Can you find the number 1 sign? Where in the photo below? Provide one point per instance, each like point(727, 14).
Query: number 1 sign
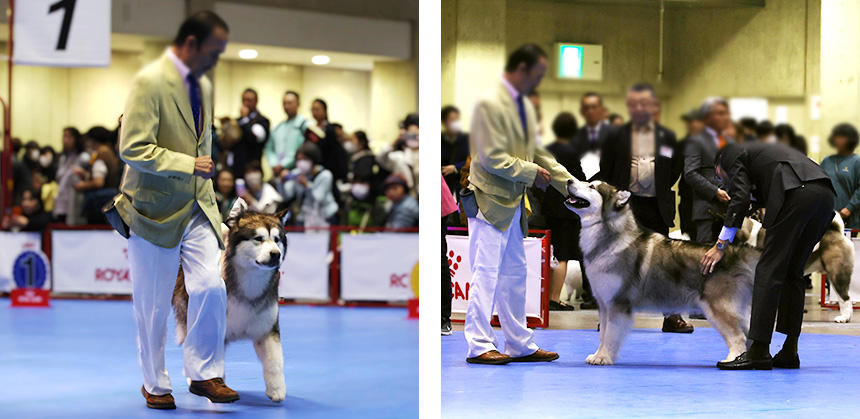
point(30, 271)
point(62, 33)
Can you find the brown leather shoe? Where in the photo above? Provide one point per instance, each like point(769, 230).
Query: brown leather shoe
point(158, 402)
point(539, 356)
point(676, 324)
point(490, 357)
point(215, 390)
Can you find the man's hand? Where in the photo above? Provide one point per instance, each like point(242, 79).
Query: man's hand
point(542, 179)
point(845, 213)
point(449, 170)
point(204, 167)
point(712, 256)
point(244, 111)
point(723, 196)
point(303, 180)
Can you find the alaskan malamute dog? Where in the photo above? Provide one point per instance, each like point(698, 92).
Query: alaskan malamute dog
point(632, 269)
point(256, 244)
point(833, 256)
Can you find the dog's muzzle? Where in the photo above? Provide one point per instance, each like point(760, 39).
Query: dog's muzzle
point(574, 201)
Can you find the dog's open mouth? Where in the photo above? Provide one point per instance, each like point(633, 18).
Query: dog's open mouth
point(574, 201)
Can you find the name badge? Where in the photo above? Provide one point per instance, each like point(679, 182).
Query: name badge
point(666, 151)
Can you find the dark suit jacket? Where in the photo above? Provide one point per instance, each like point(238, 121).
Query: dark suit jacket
point(699, 153)
point(455, 153)
point(616, 156)
point(553, 201)
point(334, 156)
point(248, 148)
point(584, 144)
point(767, 171)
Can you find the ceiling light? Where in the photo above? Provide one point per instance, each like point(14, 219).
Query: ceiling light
point(320, 59)
point(248, 54)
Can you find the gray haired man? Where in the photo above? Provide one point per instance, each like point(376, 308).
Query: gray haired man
point(709, 198)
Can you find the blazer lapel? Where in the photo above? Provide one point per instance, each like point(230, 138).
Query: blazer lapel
point(179, 94)
point(511, 107)
point(205, 95)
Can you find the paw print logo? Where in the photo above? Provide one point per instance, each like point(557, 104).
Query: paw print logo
point(454, 262)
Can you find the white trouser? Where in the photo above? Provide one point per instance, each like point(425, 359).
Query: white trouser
point(498, 262)
point(153, 272)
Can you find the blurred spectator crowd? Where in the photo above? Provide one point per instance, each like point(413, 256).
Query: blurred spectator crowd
point(322, 173)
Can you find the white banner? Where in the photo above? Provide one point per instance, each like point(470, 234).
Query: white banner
point(305, 271)
point(62, 33)
point(854, 290)
point(461, 274)
point(90, 261)
point(378, 266)
point(11, 245)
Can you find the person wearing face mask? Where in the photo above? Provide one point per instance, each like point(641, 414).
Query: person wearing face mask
point(401, 158)
point(261, 197)
point(48, 163)
point(312, 185)
point(363, 188)
point(32, 152)
point(455, 147)
point(403, 209)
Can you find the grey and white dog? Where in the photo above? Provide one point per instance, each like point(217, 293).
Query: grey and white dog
point(256, 245)
point(635, 270)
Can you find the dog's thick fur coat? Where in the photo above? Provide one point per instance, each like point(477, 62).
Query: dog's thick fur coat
point(255, 247)
point(633, 269)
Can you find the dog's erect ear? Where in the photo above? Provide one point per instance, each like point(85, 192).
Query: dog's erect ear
point(621, 199)
point(284, 216)
point(239, 207)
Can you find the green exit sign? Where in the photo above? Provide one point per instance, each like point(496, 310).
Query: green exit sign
point(579, 61)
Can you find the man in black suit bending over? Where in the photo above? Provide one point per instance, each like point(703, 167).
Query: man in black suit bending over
point(798, 199)
point(641, 156)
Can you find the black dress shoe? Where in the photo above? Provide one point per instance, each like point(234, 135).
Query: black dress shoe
point(589, 304)
point(785, 361)
point(743, 362)
point(554, 306)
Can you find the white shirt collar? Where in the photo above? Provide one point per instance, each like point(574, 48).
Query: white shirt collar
point(712, 133)
point(180, 66)
point(511, 89)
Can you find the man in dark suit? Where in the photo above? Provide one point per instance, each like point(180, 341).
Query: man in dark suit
point(255, 131)
point(640, 156)
point(709, 198)
point(593, 134)
point(694, 125)
point(798, 198)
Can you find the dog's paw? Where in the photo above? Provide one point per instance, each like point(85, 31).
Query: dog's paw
point(842, 319)
point(598, 359)
point(277, 392)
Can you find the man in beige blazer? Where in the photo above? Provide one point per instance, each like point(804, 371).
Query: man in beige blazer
point(168, 202)
point(506, 159)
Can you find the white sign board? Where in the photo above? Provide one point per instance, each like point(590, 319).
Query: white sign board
point(90, 262)
point(11, 245)
point(305, 270)
point(461, 274)
point(62, 33)
point(754, 107)
point(377, 266)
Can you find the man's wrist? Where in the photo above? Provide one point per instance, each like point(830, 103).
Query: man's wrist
point(721, 245)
